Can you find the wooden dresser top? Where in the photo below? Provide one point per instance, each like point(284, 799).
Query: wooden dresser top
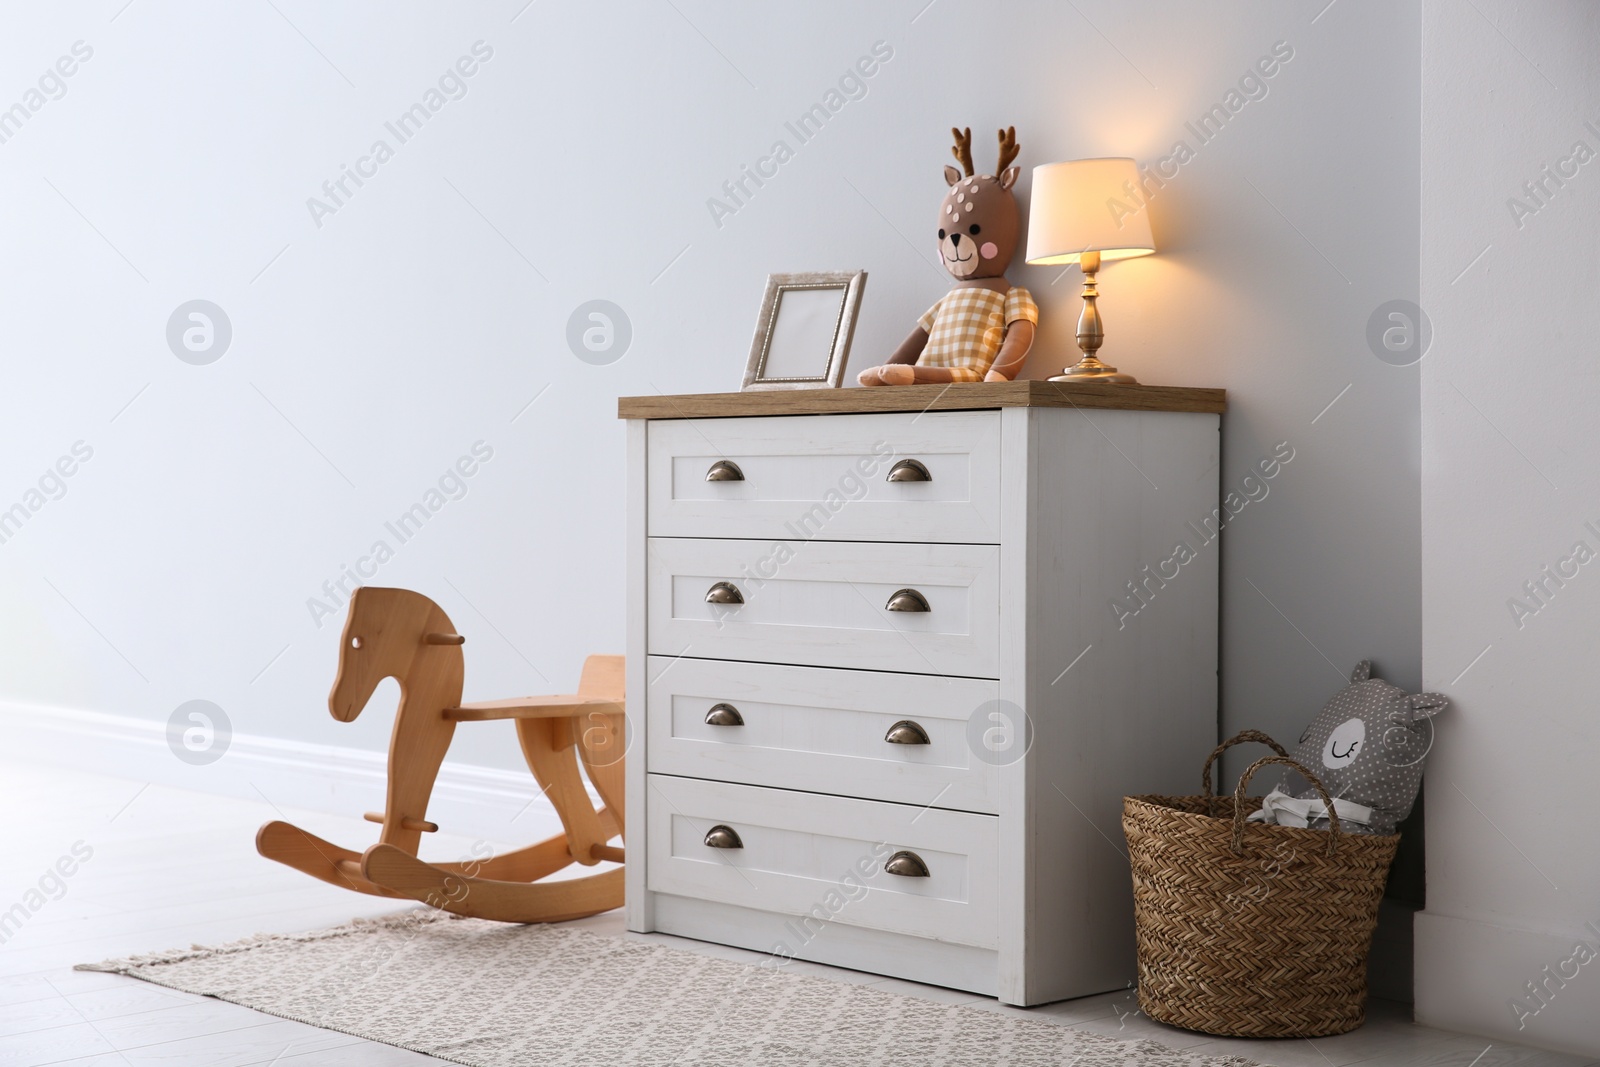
point(963, 396)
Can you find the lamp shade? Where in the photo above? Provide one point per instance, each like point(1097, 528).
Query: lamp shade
point(1085, 205)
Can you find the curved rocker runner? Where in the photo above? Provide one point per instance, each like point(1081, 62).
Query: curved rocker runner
point(396, 633)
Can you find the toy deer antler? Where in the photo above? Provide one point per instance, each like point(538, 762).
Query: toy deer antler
point(962, 149)
point(1008, 150)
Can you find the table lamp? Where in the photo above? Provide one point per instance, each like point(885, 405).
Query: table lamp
point(1083, 211)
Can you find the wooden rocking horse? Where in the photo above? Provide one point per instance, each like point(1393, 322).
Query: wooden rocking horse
point(395, 633)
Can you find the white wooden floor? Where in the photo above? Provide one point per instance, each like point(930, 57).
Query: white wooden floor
point(170, 868)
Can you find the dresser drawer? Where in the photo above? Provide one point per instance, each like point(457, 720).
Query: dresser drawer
point(828, 478)
point(820, 730)
point(807, 854)
point(826, 604)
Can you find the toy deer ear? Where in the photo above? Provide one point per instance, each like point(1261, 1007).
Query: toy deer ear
point(1008, 178)
point(1362, 672)
point(951, 175)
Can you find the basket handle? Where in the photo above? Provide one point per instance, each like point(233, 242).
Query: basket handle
point(1238, 738)
point(1334, 831)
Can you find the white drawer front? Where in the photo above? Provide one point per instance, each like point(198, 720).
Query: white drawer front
point(821, 730)
point(824, 604)
point(808, 854)
point(827, 477)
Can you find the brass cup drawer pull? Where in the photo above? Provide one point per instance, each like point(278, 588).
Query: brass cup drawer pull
point(724, 470)
point(724, 715)
point(906, 865)
point(906, 732)
point(908, 470)
point(728, 593)
point(720, 836)
point(907, 600)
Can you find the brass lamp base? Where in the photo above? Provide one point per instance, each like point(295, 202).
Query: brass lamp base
point(1091, 335)
point(1090, 369)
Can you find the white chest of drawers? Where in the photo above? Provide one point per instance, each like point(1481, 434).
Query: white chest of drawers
point(894, 658)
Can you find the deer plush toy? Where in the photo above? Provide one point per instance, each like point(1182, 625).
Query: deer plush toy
point(982, 328)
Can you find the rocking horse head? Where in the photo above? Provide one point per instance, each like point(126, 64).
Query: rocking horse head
point(394, 633)
point(979, 221)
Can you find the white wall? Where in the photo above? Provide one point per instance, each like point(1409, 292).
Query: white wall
point(368, 354)
point(1509, 395)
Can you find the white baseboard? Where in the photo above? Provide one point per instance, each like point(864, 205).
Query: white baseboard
point(1471, 974)
point(481, 802)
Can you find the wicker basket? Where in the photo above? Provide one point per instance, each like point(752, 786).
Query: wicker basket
point(1246, 929)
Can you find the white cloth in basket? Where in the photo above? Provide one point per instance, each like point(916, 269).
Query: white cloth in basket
point(1280, 809)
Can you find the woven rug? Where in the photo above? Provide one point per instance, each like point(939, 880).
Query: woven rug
point(492, 995)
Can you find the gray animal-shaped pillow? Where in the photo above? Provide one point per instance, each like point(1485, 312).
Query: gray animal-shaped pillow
point(1368, 745)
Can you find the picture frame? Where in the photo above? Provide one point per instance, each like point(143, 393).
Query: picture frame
point(803, 335)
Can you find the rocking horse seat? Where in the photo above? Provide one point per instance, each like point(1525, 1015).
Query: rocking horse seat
point(562, 706)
